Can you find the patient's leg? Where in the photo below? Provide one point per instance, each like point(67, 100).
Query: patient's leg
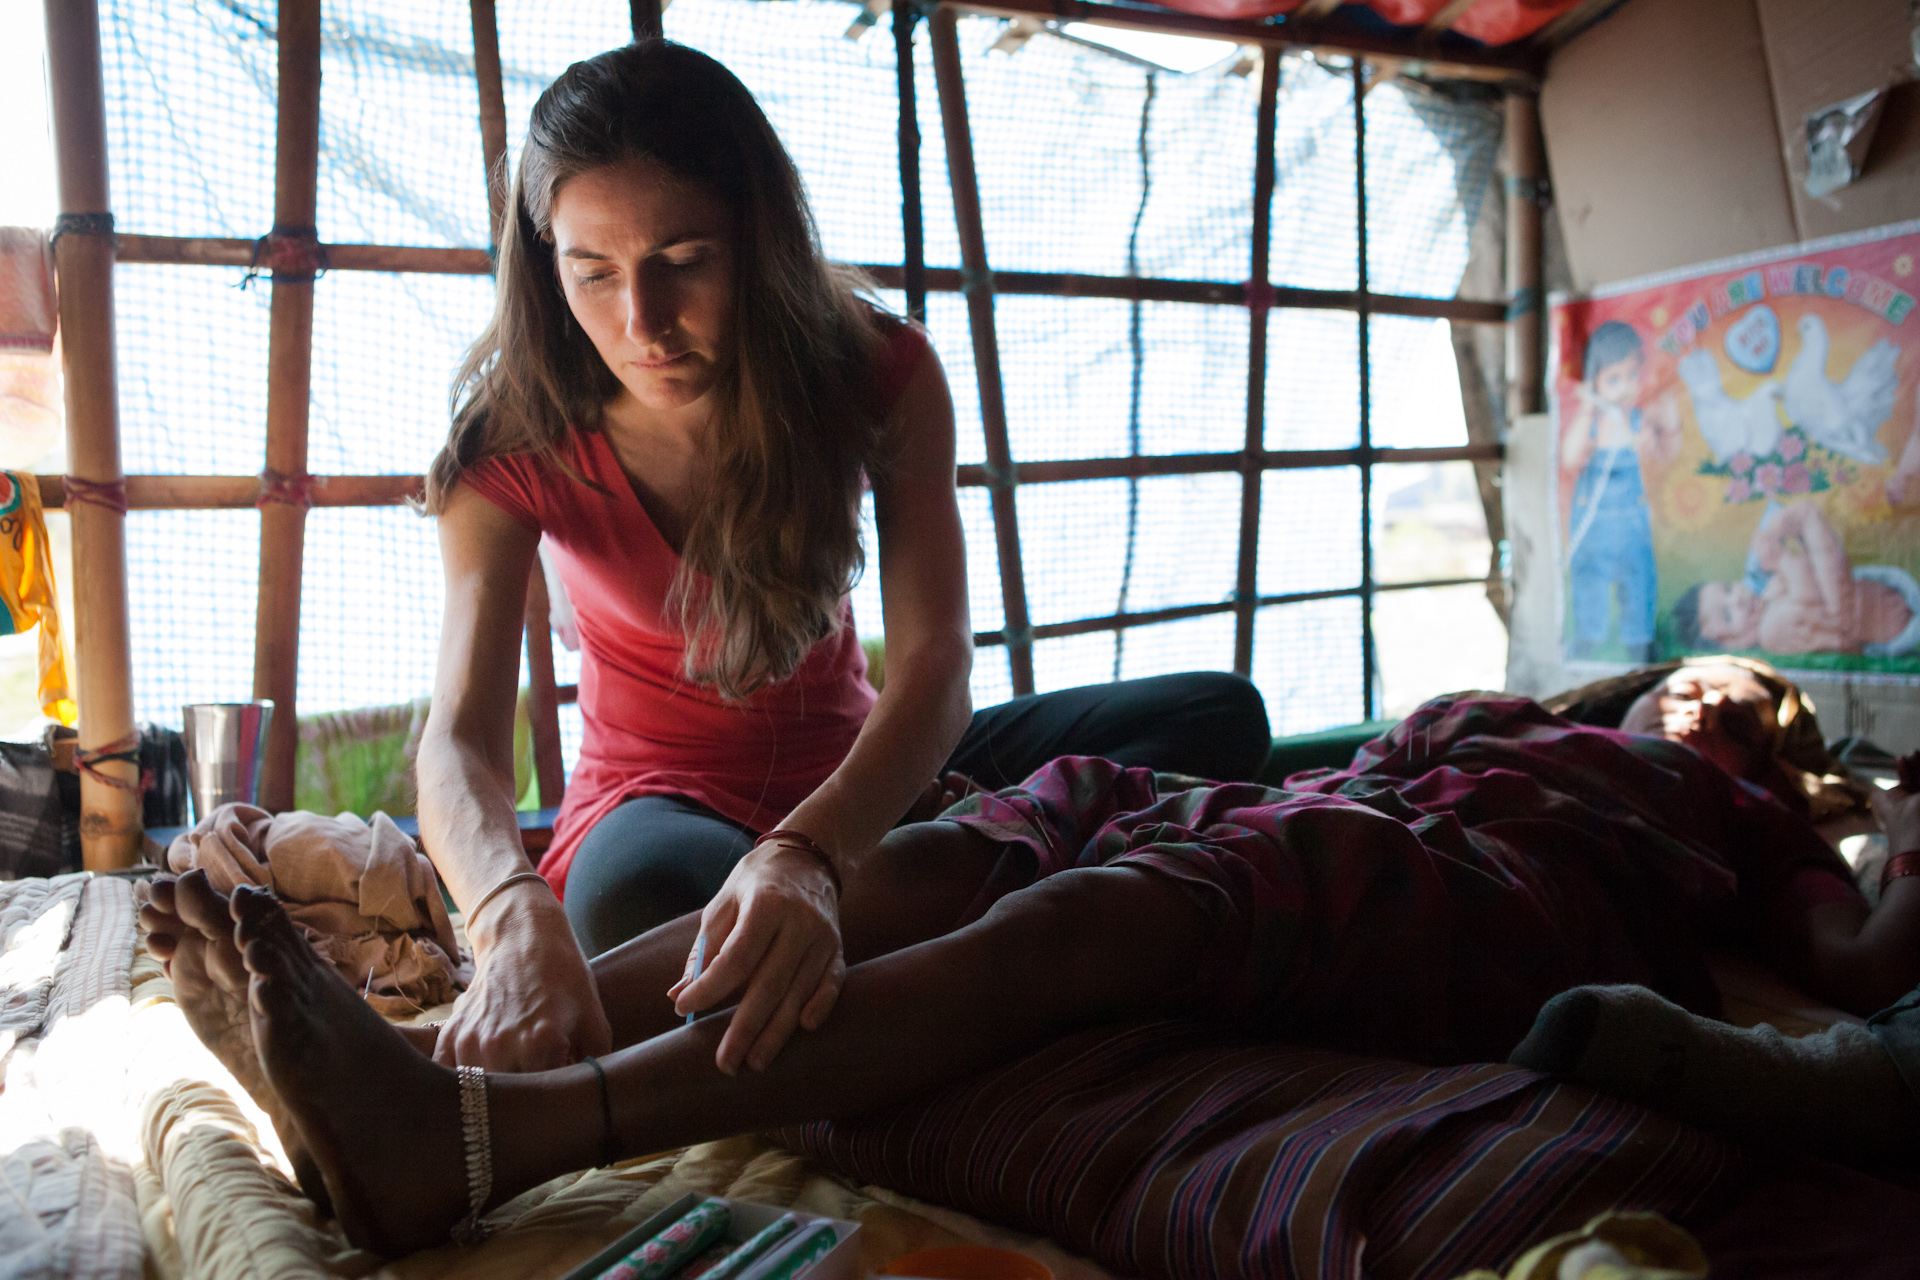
point(383, 1121)
point(1838, 1093)
point(915, 886)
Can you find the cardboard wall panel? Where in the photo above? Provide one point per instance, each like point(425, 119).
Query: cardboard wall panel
point(1662, 140)
point(1820, 52)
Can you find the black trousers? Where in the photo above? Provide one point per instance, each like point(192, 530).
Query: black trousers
point(656, 858)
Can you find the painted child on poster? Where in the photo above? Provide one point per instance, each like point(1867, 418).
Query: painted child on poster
point(1738, 460)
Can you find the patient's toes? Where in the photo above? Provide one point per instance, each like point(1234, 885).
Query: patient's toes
point(271, 944)
point(196, 901)
point(156, 893)
point(225, 965)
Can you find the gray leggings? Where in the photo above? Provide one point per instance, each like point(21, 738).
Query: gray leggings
point(656, 858)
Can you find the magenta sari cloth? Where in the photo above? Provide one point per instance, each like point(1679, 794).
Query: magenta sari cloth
point(1426, 900)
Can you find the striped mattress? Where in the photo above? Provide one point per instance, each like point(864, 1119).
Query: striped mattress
point(1178, 1151)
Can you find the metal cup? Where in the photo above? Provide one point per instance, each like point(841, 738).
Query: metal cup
point(226, 742)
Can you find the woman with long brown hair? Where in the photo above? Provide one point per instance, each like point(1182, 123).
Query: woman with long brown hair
point(686, 402)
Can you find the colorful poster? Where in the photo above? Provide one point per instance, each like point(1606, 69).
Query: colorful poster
point(1738, 461)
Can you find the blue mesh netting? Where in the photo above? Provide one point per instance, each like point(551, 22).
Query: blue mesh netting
point(1306, 664)
point(1057, 130)
point(1429, 155)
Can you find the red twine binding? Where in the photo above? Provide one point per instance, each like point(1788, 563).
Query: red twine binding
point(293, 254)
point(111, 494)
point(125, 751)
point(290, 490)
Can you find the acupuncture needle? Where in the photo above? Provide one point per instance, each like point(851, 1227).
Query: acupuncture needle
point(699, 963)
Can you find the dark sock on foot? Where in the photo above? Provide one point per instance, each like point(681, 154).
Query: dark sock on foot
point(1835, 1093)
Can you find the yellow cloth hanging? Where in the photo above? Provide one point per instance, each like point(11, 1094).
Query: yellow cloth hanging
point(26, 585)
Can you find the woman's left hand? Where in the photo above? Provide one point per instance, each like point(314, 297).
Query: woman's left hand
point(1899, 808)
point(772, 938)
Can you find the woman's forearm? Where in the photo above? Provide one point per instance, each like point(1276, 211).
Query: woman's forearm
point(909, 735)
point(467, 821)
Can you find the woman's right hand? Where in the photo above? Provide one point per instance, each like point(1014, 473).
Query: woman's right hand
point(533, 1005)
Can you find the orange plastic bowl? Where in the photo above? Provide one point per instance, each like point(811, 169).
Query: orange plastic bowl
point(969, 1262)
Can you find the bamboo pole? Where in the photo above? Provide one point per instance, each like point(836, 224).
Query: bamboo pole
point(913, 257)
point(1526, 173)
point(1246, 585)
point(493, 109)
point(986, 346)
point(646, 18)
point(543, 700)
point(210, 251)
point(276, 654)
point(1177, 613)
point(1059, 284)
point(110, 821)
point(235, 493)
point(1369, 662)
point(570, 693)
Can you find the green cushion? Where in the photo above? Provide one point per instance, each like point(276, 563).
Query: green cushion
point(1328, 749)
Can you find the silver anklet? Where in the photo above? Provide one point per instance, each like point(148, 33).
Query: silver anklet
point(476, 1136)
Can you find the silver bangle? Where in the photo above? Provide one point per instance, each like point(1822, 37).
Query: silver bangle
point(517, 877)
point(476, 1136)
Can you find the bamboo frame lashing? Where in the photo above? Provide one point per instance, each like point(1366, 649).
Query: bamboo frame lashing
point(1246, 582)
point(110, 817)
point(986, 347)
point(276, 655)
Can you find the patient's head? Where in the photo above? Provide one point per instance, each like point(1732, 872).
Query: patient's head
point(1722, 711)
point(1723, 615)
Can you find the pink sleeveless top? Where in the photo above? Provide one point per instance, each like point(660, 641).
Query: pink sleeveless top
point(649, 731)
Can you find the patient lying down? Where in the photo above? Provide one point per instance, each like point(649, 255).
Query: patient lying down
point(1425, 903)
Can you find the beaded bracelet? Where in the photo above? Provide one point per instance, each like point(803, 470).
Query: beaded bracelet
point(804, 843)
point(476, 1138)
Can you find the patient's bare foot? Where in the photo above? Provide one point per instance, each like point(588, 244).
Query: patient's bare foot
point(380, 1119)
point(189, 929)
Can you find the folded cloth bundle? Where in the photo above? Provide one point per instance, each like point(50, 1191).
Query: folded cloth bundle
point(361, 891)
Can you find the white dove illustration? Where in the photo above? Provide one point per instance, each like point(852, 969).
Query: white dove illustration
point(1731, 426)
point(1842, 415)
